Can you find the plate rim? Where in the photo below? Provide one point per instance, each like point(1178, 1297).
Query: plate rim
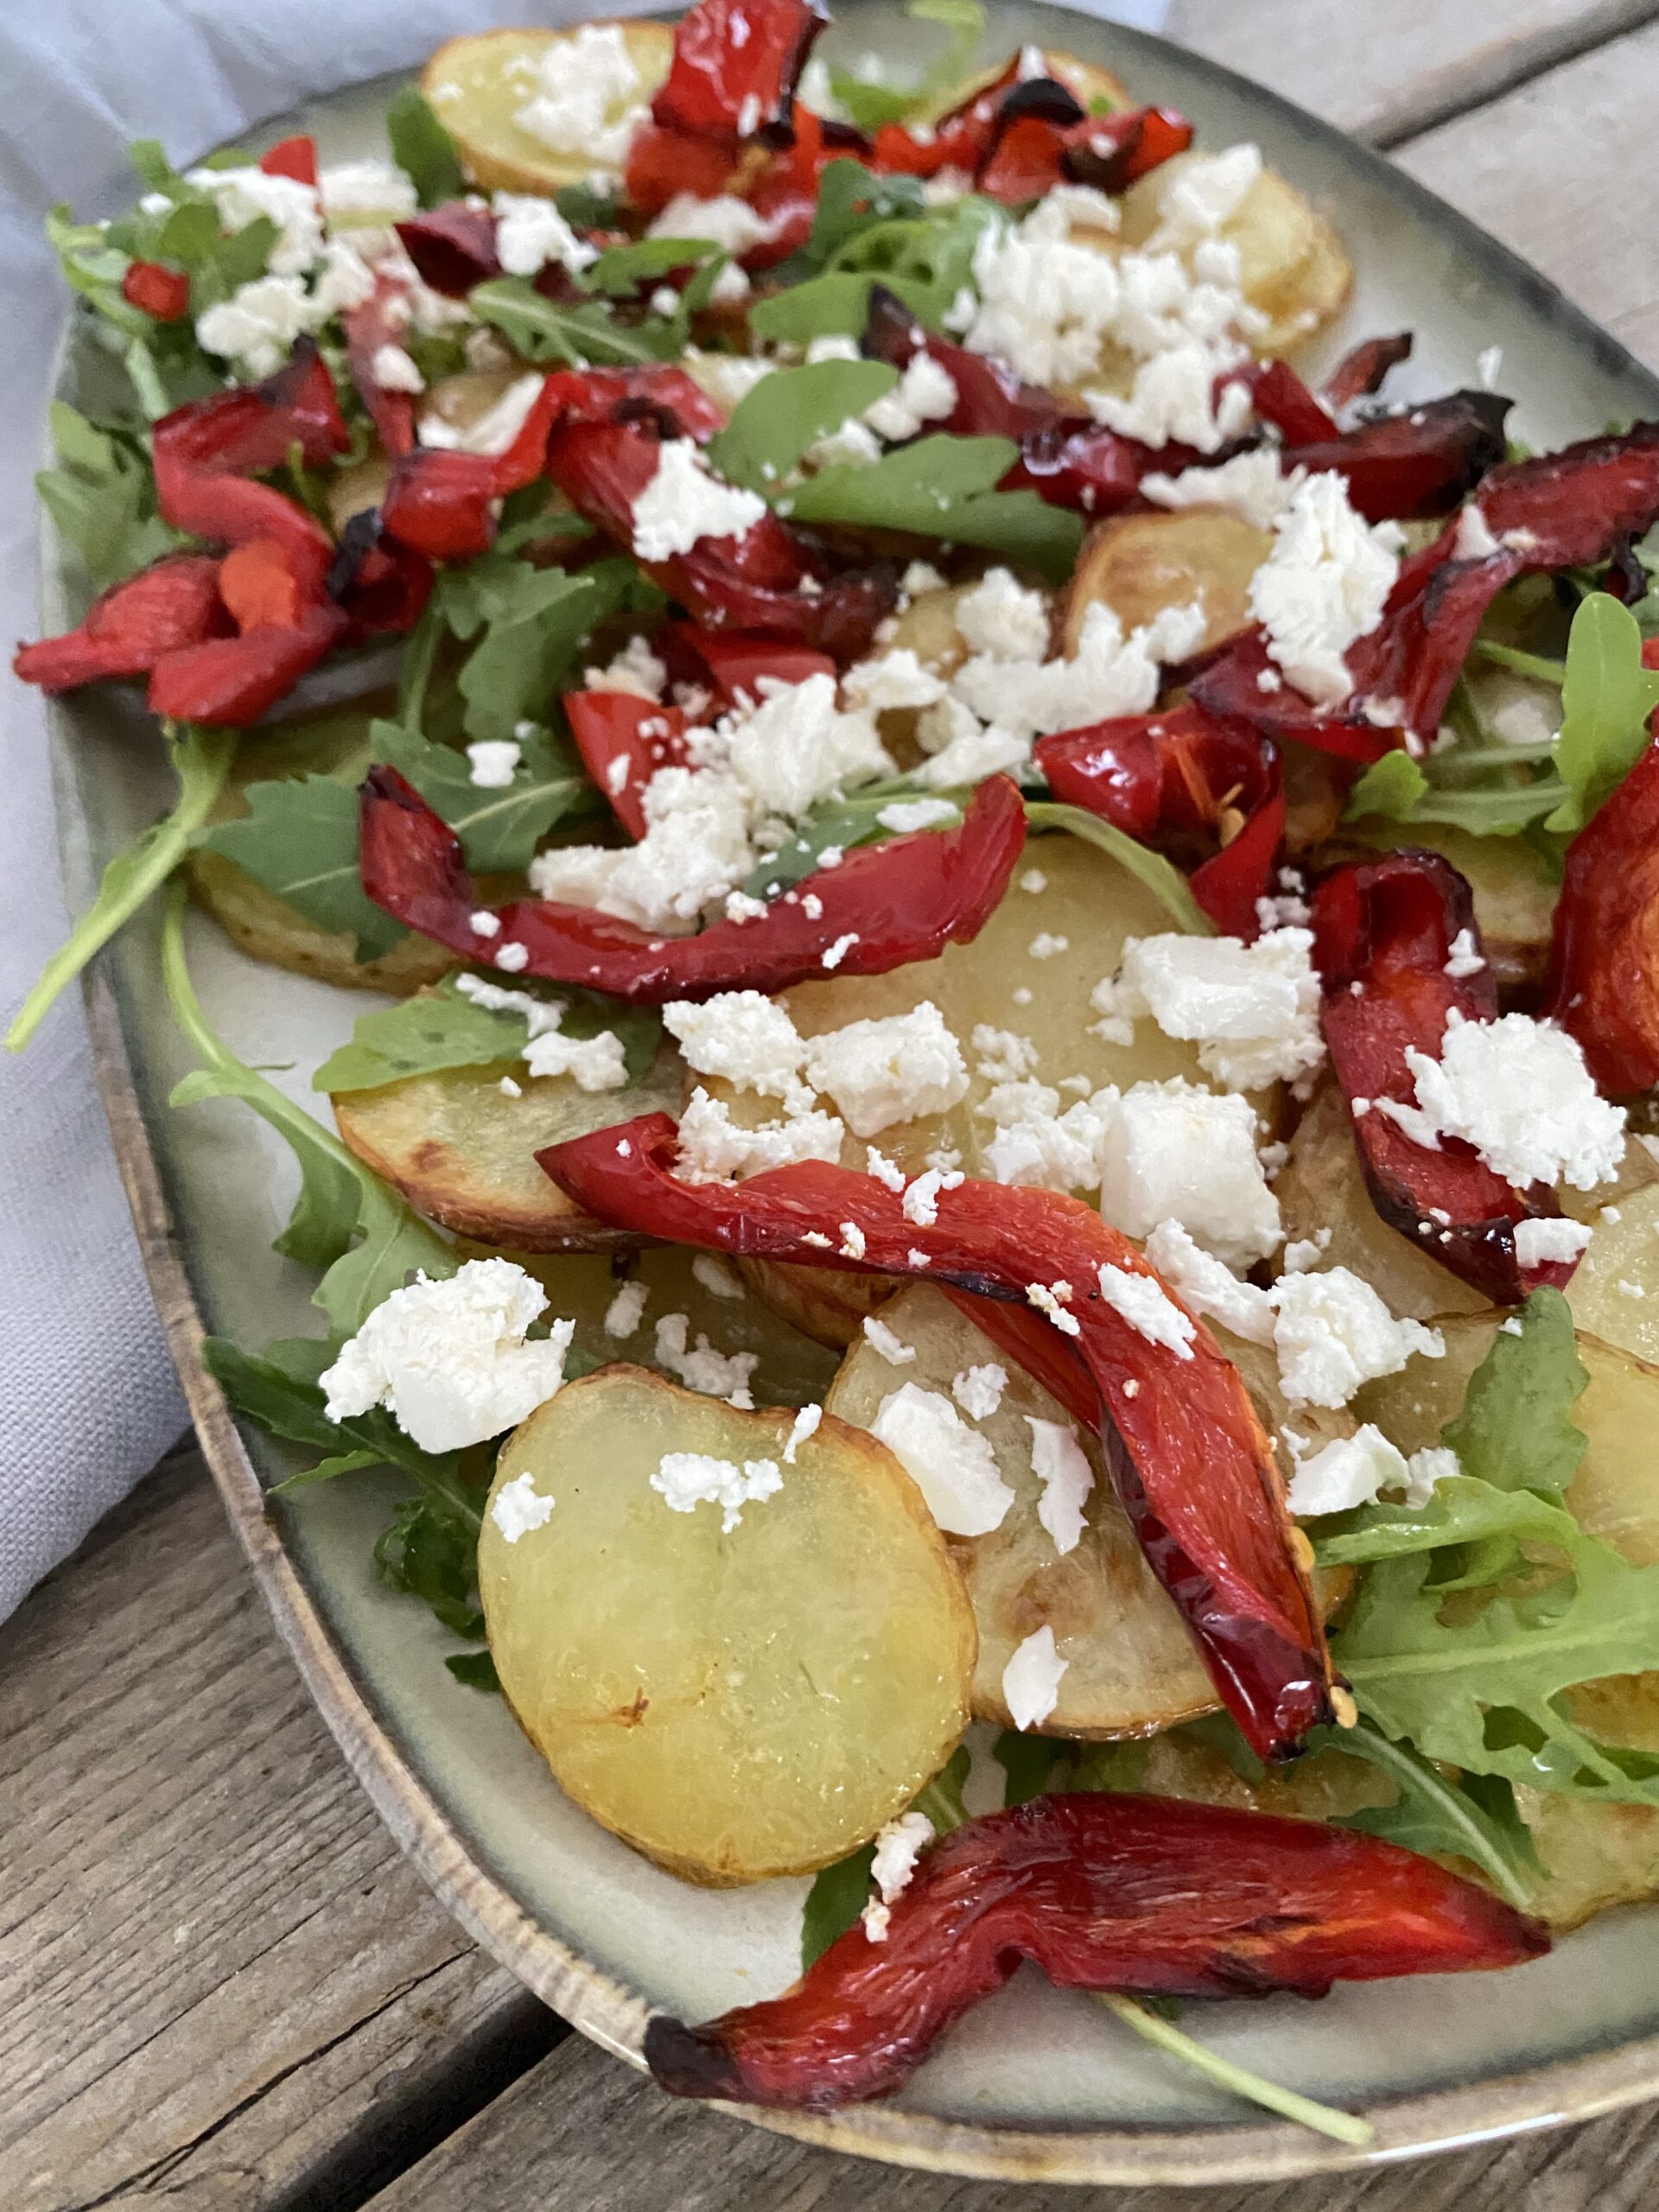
point(1559, 2093)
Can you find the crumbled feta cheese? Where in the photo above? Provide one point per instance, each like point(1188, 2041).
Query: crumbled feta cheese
point(626, 1310)
point(1332, 1333)
point(978, 1390)
point(1173, 1151)
point(798, 747)
point(685, 502)
point(519, 1507)
point(1198, 193)
point(895, 1068)
point(726, 222)
point(241, 196)
point(1004, 1055)
point(895, 680)
point(883, 1340)
point(1249, 483)
point(920, 578)
point(1465, 958)
point(1035, 1145)
point(718, 1277)
point(448, 1357)
point(394, 370)
point(1033, 881)
point(530, 231)
point(369, 195)
point(1252, 1009)
point(716, 1374)
point(491, 433)
point(1174, 399)
point(1108, 675)
point(905, 815)
point(1209, 1287)
point(1142, 1301)
point(898, 1846)
point(926, 394)
point(854, 445)
point(885, 1171)
point(838, 951)
point(1003, 619)
point(1474, 540)
point(952, 1465)
point(714, 1148)
point(1351, 1471)
point(1540, 1244)
point(851, 1246)
point(1030, 1680)
point(494, 762)
point(509, 1088)
point(686, 1480)
point(594, 1063)
point(1324, 586)
point(1045, 945)
point(802, 1429)
point(256, 326)
point(588, 97)
point(877, 1919)
point(636, 669)
point(1061, 1465)
point(921, 1202)
point(511, 955)
point(696, 849)
point(1518, 1091)
point(744, 1037)
point(1051, 1298)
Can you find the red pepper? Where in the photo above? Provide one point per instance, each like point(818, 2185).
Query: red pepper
point(1110, 151)
point(1605, 966)
point(735, 67)
point(294, 157)
point(885, 905)
point(1383, 933)
point(1179, 774)
point(381, 321)
point(382, 587)
point(1279, 397)
point(1401, 468)
point(1094, 471)
point(1144, 1895)
point(235, 680)
point(257, 584)
point(623, 741)
point(128, 628)
point(785, 191)
point(452, 247)
point(1028, 162)
point(733, 665)
point(1189, 1458)
point(159, 291)
point(664, 163)
point(1360, 372)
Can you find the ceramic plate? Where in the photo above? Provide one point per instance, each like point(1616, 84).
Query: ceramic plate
point(1036, 2083)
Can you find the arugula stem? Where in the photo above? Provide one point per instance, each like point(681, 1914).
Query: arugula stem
point(1475, 757)
point(1165, 882)
point(1417, 1777)
point(1534, 664)
point(202, 758)
point(1254, 2087)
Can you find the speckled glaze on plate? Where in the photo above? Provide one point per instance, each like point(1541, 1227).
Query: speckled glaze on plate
point(1036, 2084)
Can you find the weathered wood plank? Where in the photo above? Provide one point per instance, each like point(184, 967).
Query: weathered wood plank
point(584, 2134)
point(224, 1983)
point(1385, 68)
point(1561, 169)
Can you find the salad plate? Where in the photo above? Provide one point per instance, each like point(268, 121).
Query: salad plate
point(1038, 2081)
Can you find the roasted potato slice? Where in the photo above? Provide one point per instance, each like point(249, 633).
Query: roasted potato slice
point(828, 1304)
point(737, 1704)
point(478, 84)
point(1140, 564)
point(463, 1151)
point(1615, 1292)
point(1131, 1665)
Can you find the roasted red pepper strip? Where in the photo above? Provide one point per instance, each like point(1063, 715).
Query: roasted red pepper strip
point(452, 247)
point(294, 157)
point(381, 321)
point(1182, 773)
point(1360, 372)
point(1603, 984)
point(159, 291)
point(664, 163)
point(1191, 1461)
point(1110, 151)
point(235, 680)
point(623, 741)
point(1383, 933)
point(1029, 160)
point(733, 665)
point(885, 905)
point(1279, 397)
point(735, 67)
point(1144, 1895)
point(1404, 467)
point(129, 628)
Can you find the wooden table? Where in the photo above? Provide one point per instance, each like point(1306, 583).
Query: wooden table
point(225, 1989)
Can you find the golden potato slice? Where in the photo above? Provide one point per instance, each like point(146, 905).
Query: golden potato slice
point(1594, 1856)
point(463, 1151)
point(736, 1703)
point(356, 489)
point(828, 1304)
point(1131, 1665)
point(1140, 564)
point(478, 84)
point(1615, 1291)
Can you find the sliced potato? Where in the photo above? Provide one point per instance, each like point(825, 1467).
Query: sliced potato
point(1131, 1664)
point(828, 1304)
point(1140, 564)
point(462, 1151)
point(478, 84)
point(735, 1704)
point(355, 488)
point(1615, 1291)
point(1594, 1856)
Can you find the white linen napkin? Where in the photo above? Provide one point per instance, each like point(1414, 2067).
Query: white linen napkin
point(88, 1399)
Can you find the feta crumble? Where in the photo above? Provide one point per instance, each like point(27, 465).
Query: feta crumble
point(952, 1465)
point(1061, 1465)
point(896, 1068)
point(518, 1508)
point(1142, 1301)
point(1253, 1010)
point(1540, 1244)
point(907, 815)
point(887, 1343)
point(724, 221)
point(1173, 1152)
point(1030, 1680)
point(1050, 1298)
point(718, 1277)
point(588, 97)
point(686, 1480)
point(494, 762)
point(978, 1390)
point(1210, 1289)
point(1355, 1470)
point(685, 502)
point(626, 1311)
point(1249, 483)
point(744, 1037)
point(715, 1373)
point(1332, 1333)
point(530, 231)
point(802, 1430)
point(1518, 1091)
point(714, 1148)
point(1324, 586)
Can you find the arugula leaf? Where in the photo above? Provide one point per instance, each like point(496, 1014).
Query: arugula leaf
point(1161, 877)
point(475, 1669)
point(299, 838)
point(594, 205)
point(1391, 786)
point(941, 1798)
point(1474, 1819)
point(543, 330)
point(1516, 1430)
point(834, 1902)
point(772, 426)
point(1028, 1763)
point(345, 1220)
point(444, 1029)
point(529, 625)
point(832, 306)
point(202, 760)
point(870, 105)
point(499, 828)
point(102, 498)
point(1396, 787)
point(853, 200)
point(941, 486)
point(1606, 699)
point(423, 149)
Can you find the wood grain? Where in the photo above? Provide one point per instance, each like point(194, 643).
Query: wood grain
point(1385, 68)
point(1562, 170)
point(223, 1981)
point(582, 2133)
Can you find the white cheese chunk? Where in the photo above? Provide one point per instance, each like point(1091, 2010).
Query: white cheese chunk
point(1004, 620)
point(1518, 1091)
point(797, 746)
point(530, 231)
point(626, 1310)
point(588, 97)
point(1030, 1680)
point(1142, 1301)
point(926, 394)
point(714, 1148)
point(1332, 1333)
point(686, 1480)
point(952, 1465)
point(1212, 1290)
point(805, 1426)
point(894, 680)
point(898, 1846)
point(1249, 483)
point(700, 1367)
point(1253, 1010)
point(1061, 1465)
point(519, 1507)
point(242, 195)
point(494, 762)
point(744, 1037)
point(1324, 586)
point(887, 1343)
point(1541, 1242)
point(1356, 1470)
point(685, 502)
point(895, 1068)
point(978, 1390)
point(1173, 1151)
point(725, 221)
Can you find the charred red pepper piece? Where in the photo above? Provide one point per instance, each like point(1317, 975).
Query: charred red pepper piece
point(1279, 397)
point(235, 680)
point(381, 586)
point(732, 665)
point(623, 741)
point(1404, 467)
point(1182, 775)
point(885, 905)
point(664, 163)
point(1028, 160)
point(1189, 1458)
point(1604, 983)
point(157, 290)
point(1360, 372)
point(1143, 1896)
point(128, 628)
point(991, 400)
point(1110, 151)
point(735, 67)
point(294, 157)
point(1383, 933)
point(381, 321)
point(452, 247)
